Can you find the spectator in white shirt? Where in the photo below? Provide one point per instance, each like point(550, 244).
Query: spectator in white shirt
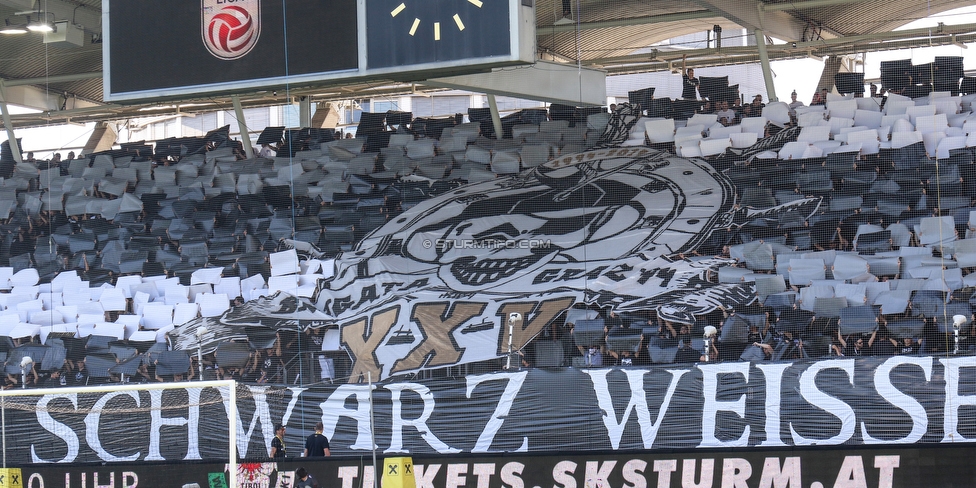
point(725, 116)
point(267, 151)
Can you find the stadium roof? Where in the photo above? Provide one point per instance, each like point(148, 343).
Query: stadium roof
point(619, 36)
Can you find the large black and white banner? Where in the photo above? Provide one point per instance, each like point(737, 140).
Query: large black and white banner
point(436, 286)
point(433, 287)
point(901, 400)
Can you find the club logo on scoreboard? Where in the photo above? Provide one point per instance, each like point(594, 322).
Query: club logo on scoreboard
point(230, 28)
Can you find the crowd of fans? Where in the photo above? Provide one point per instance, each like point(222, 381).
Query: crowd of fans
point(766, 334)
point(733, 113)
point(292, 358)
point(41, 238)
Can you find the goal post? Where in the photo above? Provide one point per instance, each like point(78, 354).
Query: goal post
point(107, 416)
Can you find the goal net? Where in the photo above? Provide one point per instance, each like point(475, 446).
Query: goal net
point(189, 421)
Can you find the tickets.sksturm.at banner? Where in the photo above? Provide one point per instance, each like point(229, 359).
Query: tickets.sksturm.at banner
point(901, 467)
point(838, 402)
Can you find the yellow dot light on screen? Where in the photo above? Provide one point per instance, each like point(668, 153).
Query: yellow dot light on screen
point(437, 25)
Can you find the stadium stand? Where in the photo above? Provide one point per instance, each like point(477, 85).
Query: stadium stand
point(117, 249)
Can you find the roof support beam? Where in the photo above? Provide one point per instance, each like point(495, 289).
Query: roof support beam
point(649, 19)
point(115, 111)
point(962, 33)
point(305, 111)
point(548, 82)
point(830, 70)
point(496, 119)
point(7, 124)
point(242, 125)
point(777, 24)
point(764, 61)
point(41, 80)
point(745, 55)
point(102, 138)
point(924, 32)
point(31, 97)
point(804, 5)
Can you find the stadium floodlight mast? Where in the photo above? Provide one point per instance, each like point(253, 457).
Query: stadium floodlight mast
point(14, 398)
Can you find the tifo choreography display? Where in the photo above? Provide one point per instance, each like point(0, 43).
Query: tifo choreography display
point(617, 248)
